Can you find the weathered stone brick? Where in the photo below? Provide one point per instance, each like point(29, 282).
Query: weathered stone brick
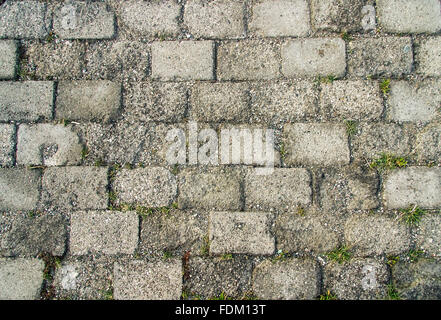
point(321, 144)
point(413, 186)
point(26, 101)
point(369, 235)
point(24, 19)
point(428, 143)
point(48, 144)
point(75, 188)
point(21, 279)
point(150, 187)
point(428, 57)
point(284, 189)
point(410, 101)
point(241, 232)
point(248, 60)
point(314, 57)
point(19, 189)
point(88, 100)
point(337, 15)
point(280, 18)
point(183, 60)
point(292, 279)
point(395, 52)
point(216, 189)
point(351, 100)
point(409, 16)
point(429, 234)
point(140, 280)
point(107, 232)
point(7, 133)
point(358, 279)
point(8, 59)
point(214, 19)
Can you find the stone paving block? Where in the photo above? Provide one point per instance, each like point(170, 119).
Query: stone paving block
point(139, 280)
point(215, 19)
point(174, 232)
point(395, 52)
point(148, 19)
point(358, 279)
point(31, 233)
point(8, 59)
point(68, 188)
point(219, 102)
point(413, 186)
point(409, 16)
point(322, 144)
point(429, 234)
point(107, 232)
point(83, 20)
point(248, 60)
point(26, 101)
point(241, 232)
point(155, 101)
point(21, 279)
point(370, 235)
point(88, 100)
point(292, 279)
point(428, 143)
point(215, 189)
point(183, 60)
point(418, 280)
point(284, 189)
point(283, 101)
point(314, 57)
point(279, 18)
point(351, 100)
point(337, 15)
point(24, 19)
point(209, 277)
point(373, 139)
point(7, 134)
point(150, 187)
point(410, 101)
point(428, 57)
point(19, 189)
point(48, 144)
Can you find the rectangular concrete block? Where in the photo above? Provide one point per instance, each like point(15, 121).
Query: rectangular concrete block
point(8, 59)
point(413, 186)
point(241, 232)
point(19, 189)
point(7, 136)
point(83, 20)
point(183, 60)
point(317, 144)
point(338, 15)
point(428, 57)
point(429, 235)
point(106, 232)
point(314, 57)
point(26, 101)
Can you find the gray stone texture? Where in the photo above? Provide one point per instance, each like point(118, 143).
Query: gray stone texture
point(7, 135)
point(337, 15)
point(429, 235)
point(8, 59)
point(19, 189)
point(428, 57)
point(428, 143)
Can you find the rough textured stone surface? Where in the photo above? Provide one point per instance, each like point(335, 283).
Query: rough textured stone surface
point(314, 57)
point(184, 60)
point(107, 232)
point(322, 144)
point(88, 100)
point(26, 101)
point(21, 279)
point(75, 188)
point(337, 15)
point(247, 60)
point(241, 232)
point(19, 189)
point(280, 18)
point(48, 144)
point(369, 235)
point(8, 59)
point(214, 19)
point(428, 143)
point(429, 234)
point(428, 57)
point(292, 279)
point(358, 279)
point(7, 133)
point(409, 16)
point(413, 186)
point(139, 280)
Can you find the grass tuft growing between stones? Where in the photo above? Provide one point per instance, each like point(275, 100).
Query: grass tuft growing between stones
point(415, 255)
point(346, 36)
point(385, 86)
point(205, 249)
point(392, 260)
point(221, 296)
point(328, 296)
point(392, 292)
point(227, 256)
point(351, 127)
point(412, 215)
point(340, 254)
point(388, 161)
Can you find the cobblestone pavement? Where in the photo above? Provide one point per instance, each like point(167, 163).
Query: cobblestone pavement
point(91, 208)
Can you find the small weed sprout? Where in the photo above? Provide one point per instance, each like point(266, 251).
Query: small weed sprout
point(340, 254)
point(388, 162)
point(412, 215)
point(328, 296)
point(392, 260)
point(415, 255)
point(351, 127)
point(392, 292)
point(385, 86)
